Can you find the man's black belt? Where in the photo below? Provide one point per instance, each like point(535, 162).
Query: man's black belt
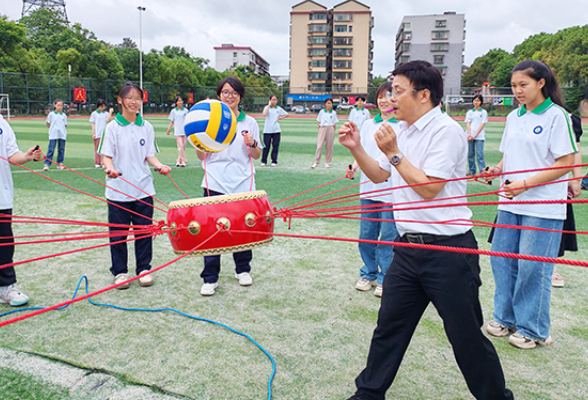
point(424, 238)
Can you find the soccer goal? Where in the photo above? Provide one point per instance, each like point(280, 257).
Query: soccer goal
point(495, 104)
point(5, 105)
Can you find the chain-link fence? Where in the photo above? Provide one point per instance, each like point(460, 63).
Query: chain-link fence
point(32, 94)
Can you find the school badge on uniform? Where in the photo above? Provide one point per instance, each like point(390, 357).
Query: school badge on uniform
point(142, 142)
point(538, 129)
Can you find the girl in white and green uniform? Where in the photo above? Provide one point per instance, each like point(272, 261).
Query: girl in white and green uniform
point(128, 147)
point(177, 117)
point(537, 135)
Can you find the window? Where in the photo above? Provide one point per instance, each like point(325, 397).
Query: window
point(407, 36)
point(341, 75)
point(405, 47)
point(235, 54)
point(439, 35)
point(319, 63)
point(318, 28)
point(340, 28)
point(342, 40)
point(439, 46)
point(404, 59)
point(406, 25)
point(440, 23)
point(350, 28)
point(443, 70)
point(342, 52)
point(317, 75)
point(315, 16)
point(317, 87)
point(317, 52)
point(318, 40)
point(341, 64)
point(438, 59)
point(343, 17)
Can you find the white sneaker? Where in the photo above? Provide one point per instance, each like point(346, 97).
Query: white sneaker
point(121, 278)
point(45, 167)
point(364, 285)
point(496, 329)
point(97, 166)
point(11, 295)
point(378, 291)
point(327, 166)
point(262, 164)
point(145, 280)
point(313, 166)
point(244, 279)
point(60, 167)
point(525, 343)
point(208, 289)
point(274, 164)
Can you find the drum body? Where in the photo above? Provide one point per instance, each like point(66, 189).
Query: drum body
point(220, 224)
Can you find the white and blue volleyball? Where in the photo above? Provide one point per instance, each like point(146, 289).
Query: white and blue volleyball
point(210, 126)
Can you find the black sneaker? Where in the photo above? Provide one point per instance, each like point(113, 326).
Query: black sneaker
point(584, 186)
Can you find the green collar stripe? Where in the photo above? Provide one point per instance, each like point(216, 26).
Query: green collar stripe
point(540, 109)
point(379, 118)
point(123, 122)
point(101, 142)
point(241, 116)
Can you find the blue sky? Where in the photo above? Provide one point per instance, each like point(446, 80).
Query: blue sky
point(263, 25)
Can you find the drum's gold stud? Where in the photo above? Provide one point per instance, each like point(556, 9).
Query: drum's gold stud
point(173, 227)
point(268, 215)
point(223, 223)
point(250, 220)
point(194, 228)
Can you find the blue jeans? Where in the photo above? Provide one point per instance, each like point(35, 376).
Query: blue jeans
point(523, 288)
point(60, 151)
point(376, 257)
point(476, 150)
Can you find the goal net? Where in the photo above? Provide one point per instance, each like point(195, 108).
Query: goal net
point(5, 105)
point(496, 104)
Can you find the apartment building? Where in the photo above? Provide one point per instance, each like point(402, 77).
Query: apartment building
point(331, 51)
point(228, 56)
point(439, 39)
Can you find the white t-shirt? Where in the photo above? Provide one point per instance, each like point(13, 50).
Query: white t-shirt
point(436, 145)
point(536, 139)
point(359, 116)
point(477, 118)
point(230, 171)
point(99, 119)
point(271, 120)
point(368, 129)
point(57, 123)
point(129, 144)
point(8, 148)
point(178, 117)
point(327, 118)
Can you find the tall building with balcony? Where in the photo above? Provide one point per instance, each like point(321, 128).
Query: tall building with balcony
point(228, 56)
point(331, 51)
point(439, 39)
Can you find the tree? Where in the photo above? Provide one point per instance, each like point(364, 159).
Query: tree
point(482, 67)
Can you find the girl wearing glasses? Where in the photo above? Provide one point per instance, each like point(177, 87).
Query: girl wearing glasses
point(231, 171)
point(176, 118)
point(128, 147)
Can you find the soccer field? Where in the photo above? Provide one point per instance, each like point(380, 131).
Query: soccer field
point(302, 308)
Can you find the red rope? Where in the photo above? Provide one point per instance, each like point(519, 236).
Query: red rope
point(57, 221)
point(102, 235)
point(310, 190)
point(177, 187)
point(97, 292)
point(80, 191)
point(144, 192)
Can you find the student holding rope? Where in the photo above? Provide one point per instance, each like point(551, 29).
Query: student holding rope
point(231, 171)
point(428, 148)
point(9, 150)
point(128, 148)
point(537, 135)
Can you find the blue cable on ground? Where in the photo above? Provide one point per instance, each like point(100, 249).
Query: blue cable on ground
point(85, 279)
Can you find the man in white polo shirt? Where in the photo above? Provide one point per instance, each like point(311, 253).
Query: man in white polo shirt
point(428, 147)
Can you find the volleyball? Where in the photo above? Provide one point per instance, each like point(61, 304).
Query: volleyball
point(210, 126)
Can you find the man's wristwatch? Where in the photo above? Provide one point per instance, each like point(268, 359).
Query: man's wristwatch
point(396, 158)
point(254, 145)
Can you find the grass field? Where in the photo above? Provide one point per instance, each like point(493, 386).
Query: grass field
point(302, 308)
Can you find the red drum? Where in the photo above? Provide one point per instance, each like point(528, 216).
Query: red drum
point(244, 220)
